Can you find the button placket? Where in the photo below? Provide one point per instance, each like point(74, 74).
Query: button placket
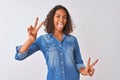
point(62, 62)
point(62, 65)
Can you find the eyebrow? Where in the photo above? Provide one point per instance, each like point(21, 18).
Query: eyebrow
point(59, 14)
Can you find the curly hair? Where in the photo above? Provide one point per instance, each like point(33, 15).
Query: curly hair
point(49, 25)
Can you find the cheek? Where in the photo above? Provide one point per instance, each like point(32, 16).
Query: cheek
point(54, 22)
point(65, 22)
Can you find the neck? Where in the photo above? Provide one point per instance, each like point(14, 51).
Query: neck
point(58, 35)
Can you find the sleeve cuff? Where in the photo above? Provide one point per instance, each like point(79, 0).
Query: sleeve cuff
point(20, 56)
point(80, 66)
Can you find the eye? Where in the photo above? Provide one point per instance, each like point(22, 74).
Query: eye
point(65, 17)
point(57, 16)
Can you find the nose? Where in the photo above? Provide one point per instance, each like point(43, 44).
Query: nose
point(61, 19)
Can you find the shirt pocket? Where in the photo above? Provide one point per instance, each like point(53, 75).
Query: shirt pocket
point(69, 46)
point(51, 50)
point(69, 52)
point(51, 47)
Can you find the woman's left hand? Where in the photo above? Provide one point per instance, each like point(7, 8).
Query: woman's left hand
point(88, 70)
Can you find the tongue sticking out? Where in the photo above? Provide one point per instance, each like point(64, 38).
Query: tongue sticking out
point(60, 25)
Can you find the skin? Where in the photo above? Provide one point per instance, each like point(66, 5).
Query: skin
point(89, 69)
point(60, 19)
point(32, 34)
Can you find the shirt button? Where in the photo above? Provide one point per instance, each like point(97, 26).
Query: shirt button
point(61, 54)
point(61, 62)
point(62, 72)
point(60, 46)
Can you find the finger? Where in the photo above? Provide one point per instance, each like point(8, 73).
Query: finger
point(92, 72)
point(30, 28)
point(36, 22)
point(94, 63)
point(39, 26)
point(88, 63)
point(84, 72)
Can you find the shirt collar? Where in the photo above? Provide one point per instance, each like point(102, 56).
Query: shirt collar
point(50, 35)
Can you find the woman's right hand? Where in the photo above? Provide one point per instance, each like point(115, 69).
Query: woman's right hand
point(32, 34)
point(32, 30)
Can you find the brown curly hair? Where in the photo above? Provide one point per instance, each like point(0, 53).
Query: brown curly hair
point(49, 25)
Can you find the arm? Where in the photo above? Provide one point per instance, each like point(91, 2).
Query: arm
point(77, 56)
point(29, 46)
point(88, 70)
point(25, 46)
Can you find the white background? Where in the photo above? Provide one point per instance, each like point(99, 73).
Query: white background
point(97, 28)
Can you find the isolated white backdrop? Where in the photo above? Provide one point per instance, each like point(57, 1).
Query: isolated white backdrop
point(97, 29)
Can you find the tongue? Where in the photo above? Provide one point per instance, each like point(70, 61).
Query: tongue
point(60, 25)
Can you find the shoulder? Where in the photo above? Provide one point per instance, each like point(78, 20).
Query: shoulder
point(70, 36)
point(44, 37)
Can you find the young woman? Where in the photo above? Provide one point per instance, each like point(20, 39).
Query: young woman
point(59, 47)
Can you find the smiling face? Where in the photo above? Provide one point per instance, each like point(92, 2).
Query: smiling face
point(60, 19)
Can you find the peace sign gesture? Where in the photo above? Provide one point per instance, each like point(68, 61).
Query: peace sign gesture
point(32, 33)
point(89, 70)
point(32, 30)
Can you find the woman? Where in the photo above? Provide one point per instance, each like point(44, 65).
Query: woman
point(59, 47)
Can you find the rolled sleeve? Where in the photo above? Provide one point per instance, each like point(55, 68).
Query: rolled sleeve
point(20, 56)
point(78, 58)
point(80, 66)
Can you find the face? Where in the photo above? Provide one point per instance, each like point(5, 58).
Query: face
point(60, 19)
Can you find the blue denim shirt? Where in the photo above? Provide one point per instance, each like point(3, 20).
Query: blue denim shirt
point(63, 58)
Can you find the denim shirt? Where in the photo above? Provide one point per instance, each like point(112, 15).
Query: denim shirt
point(63, 58)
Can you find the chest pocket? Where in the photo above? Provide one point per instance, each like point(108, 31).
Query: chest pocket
point(69, 51)
point(70, 46)
point(51, 47)
point(51, 50)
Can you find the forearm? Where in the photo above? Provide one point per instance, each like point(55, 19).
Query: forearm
point(26, 45)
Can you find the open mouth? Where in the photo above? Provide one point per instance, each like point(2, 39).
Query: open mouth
point(60, 25)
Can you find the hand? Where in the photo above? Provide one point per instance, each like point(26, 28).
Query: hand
point(89, 70)
point(32, 30)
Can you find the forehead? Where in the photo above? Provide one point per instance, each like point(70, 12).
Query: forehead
point(60, 12)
